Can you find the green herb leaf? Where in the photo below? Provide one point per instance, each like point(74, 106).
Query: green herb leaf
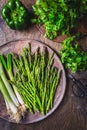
point(59, 15)
point(72, 56)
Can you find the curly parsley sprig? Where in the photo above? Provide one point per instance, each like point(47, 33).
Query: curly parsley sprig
point(73, 56)
point(59, 15)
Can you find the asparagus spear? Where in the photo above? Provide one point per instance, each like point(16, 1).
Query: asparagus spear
point(37, 79)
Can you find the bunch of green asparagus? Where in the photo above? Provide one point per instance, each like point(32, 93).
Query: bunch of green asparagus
point(37, 78)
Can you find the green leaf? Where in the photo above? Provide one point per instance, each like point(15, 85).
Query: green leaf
point(64, 14)
point(4, 61)
point(72, 56)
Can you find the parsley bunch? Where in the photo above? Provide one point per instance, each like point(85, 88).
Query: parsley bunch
point(59, 15)
point(72, 56)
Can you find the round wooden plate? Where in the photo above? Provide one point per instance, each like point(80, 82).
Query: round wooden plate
point(16, 47)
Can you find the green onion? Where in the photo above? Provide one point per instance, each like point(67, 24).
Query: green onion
point(14, 103)
point(7, 96)
point(7, 84)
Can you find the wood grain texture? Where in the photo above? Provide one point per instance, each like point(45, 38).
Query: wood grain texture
point(72, 112)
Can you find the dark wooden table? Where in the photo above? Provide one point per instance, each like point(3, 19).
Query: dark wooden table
point(72, 112)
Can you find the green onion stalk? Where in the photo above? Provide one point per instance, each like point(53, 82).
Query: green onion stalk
point(7, 96)
point(10, 73)
point(14, 103)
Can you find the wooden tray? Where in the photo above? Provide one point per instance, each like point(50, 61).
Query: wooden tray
point(16, 47)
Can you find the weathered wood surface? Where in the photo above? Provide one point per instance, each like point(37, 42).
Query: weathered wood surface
point(72, 112)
